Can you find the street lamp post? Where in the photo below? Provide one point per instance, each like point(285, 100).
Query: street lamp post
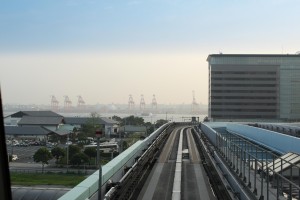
point(98, 152)
point(120, 137)
point(98, 135)
point(12, 146)
point(67, 152)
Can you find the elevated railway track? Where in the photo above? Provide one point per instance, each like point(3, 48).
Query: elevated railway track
point(174, 166)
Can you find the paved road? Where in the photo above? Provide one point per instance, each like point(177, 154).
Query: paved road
point(24, 153)
point(37, 168)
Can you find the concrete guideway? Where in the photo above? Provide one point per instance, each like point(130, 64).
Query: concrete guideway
point(160, 181)
point(193, 153)
point(165, 154)
point(192, 183)
point(176, 193)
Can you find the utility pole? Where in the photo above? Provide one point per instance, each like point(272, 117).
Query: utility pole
point(120, 137)
point(12, 146)
point(67, 152)
point(98, 135)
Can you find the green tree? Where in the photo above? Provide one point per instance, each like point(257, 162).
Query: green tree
point(117, 118)
point(79, 158)
point(150, 127)
point(205, 119)
point(90, 152)
point(82, 138)
point(132, 138)
point(73, 149)
point(93, 123)
point(57, 153)
point(132, 120)
point(42, 155)
point(160, 122)
point(125, 145)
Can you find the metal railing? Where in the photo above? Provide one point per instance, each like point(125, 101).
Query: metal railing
point(250, 162)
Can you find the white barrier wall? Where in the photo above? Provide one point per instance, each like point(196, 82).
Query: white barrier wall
point(276, 141)
point(209, 132)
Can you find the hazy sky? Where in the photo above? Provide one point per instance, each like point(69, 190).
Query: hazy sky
point(107, 49)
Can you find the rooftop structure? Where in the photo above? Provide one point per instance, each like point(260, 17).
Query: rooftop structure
point(45, 113)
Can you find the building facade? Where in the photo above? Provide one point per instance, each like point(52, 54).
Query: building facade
point(254, 87)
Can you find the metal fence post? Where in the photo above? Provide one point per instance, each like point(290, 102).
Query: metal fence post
point(249, 168)
point(262, 182)
point(267, 183)
point(255, 189)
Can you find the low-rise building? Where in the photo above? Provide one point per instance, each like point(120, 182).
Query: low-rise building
point(110, 126)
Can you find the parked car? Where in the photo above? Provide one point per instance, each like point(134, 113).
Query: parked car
point(49, 145)
point(15, 144)
point(36, 144)
point(23, 144)
point(14, 157)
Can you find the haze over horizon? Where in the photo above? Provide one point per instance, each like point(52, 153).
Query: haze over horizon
point(106, 50)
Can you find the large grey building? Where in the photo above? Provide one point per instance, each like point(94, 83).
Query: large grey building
point(254, 87)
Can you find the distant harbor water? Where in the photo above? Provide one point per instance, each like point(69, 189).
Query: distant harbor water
point(147, 117)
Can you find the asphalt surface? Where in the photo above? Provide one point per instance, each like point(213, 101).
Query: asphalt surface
point(24, 154)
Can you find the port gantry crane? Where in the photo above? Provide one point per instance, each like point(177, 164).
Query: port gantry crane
point(142, 103)
point(67, 103)
point(154, 102)
point(130, 103)
point(54, 103)
point(80, 102)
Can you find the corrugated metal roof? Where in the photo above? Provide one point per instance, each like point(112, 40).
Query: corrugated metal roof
point(28, 120)
point(62, 129)
point(130, 128)
point(45, 113)
point(108, 120)
point(76, 120)
point(27, 130)
point(84, 120)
